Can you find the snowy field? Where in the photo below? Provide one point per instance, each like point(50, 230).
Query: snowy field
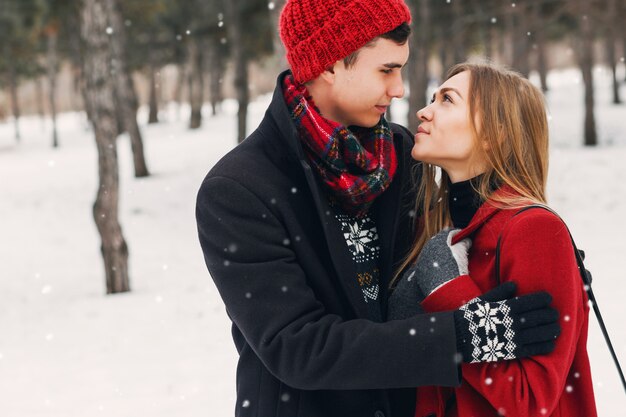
point(164, 349)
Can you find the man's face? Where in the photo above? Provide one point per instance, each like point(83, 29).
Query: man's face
point(361, 94)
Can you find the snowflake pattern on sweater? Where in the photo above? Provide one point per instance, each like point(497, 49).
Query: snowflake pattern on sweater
point(362, 240)
point(361, 237)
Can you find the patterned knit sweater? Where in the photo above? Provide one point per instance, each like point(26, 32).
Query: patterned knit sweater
point(362, 242)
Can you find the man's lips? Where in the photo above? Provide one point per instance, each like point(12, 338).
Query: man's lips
point(420, 129)
point(382, 109)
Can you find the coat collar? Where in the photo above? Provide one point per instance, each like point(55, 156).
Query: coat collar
point(280, 115)
point(485, 212)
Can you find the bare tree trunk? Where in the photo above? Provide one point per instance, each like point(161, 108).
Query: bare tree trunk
point(585, 60)
point(243, 96)
point(78, 71)
point(51, 63)
point(503, 42)
point(15, 105)
point(610, 49)
point(483, 27)
point(125, 88)
point(418, 61)
point(610, 39)
point(279, 49)
point(459, 44)
point(446, 55)
point(489, 49)
point(241, 66)
point(39, 99)
point(74, 102)
point(540, 41)
point(100, 87)
point(520, 38)
point(624, 48)
point(621, 16)
point(196, 83)
point(153, 114)
point(216, 73)
point(178, 89)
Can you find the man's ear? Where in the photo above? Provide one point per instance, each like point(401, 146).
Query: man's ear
point(329, 74)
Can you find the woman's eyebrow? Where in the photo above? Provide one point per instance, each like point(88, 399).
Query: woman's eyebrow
point(446, 89)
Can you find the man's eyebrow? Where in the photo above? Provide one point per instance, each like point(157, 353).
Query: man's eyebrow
point(392, 65)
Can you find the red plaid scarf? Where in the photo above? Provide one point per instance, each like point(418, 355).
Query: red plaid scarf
point(356, 165)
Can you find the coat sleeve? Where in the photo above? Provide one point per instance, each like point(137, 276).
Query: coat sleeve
point(537, 254)
point(265, 290)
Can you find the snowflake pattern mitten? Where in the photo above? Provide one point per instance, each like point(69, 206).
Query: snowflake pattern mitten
point(497, 326)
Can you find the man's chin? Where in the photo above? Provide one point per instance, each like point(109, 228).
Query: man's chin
point(367, 124)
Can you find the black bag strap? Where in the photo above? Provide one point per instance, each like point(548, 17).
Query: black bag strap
point(584, 274)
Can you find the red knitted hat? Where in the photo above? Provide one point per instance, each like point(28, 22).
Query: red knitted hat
point(318, 33)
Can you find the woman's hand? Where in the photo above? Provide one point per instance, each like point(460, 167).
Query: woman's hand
point(440, 261)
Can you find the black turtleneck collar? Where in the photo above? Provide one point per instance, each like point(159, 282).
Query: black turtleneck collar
point(463, 202)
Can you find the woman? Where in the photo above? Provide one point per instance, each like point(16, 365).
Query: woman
point(486, 131)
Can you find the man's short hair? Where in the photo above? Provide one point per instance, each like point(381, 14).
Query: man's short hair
point(399, 35)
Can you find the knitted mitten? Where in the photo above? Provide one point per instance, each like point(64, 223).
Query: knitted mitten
point(439, 261)
point(405, 299)
point(496, 326)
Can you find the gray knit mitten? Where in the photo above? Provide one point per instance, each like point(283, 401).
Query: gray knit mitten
point(440, 261)
point(404, 301)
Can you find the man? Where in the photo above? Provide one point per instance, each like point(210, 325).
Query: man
point(302, 224)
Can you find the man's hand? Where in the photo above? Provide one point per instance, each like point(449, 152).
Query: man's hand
point(498, 326)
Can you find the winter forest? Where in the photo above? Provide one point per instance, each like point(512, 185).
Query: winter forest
point(112, 112)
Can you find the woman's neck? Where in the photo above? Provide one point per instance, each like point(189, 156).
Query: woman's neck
point(463, 201)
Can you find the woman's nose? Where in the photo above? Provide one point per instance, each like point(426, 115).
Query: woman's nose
point(424, 114)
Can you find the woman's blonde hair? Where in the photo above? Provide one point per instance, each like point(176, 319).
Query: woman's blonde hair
point(511, 135)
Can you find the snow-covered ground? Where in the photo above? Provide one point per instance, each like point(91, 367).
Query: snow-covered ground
point(164, 349)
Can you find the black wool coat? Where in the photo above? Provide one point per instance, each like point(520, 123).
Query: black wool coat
point(306, 347)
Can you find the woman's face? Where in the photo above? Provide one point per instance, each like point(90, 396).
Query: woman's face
point(445, 137)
